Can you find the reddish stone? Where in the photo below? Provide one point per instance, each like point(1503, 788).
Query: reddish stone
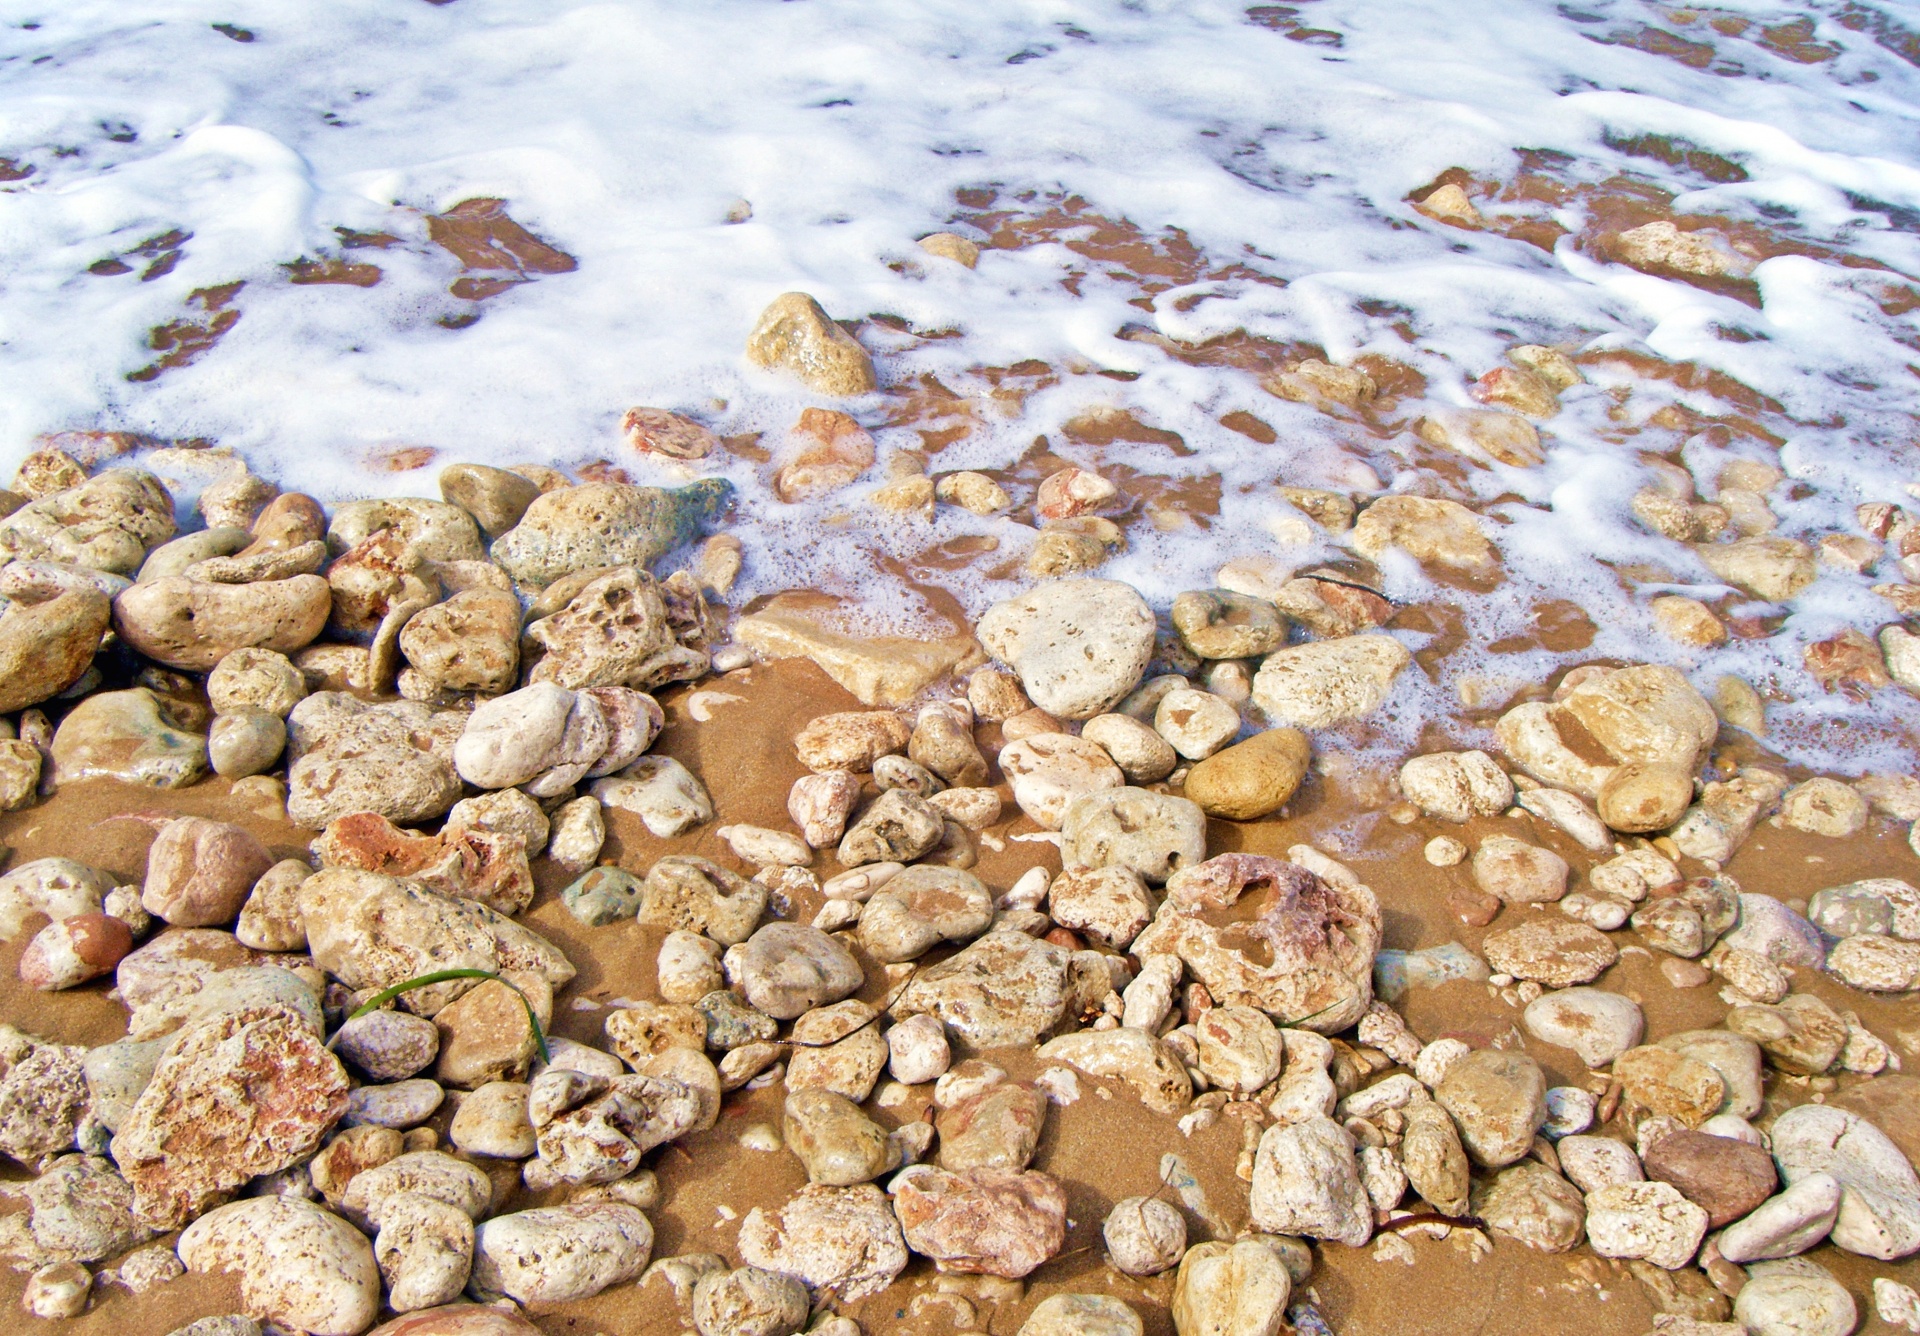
point(1728, 1178)
point(75, 950)
point(983, 1221)
point(199, 872)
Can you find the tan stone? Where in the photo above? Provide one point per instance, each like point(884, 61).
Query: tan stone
point(795, 336)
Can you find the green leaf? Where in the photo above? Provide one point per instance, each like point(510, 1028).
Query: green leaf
point(386, 995)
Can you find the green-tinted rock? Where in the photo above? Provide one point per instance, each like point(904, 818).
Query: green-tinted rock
point(607, 524)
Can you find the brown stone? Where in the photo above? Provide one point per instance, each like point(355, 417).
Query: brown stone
point(472, 864)
point(1727, 1177)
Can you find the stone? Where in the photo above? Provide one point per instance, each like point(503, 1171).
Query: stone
point(1328, 682)
point(729, 1023)
point(851, 740)
point(1640, 713)
point(492, 1121)
point(46, 646)
point(371, 931)
point(997, 1128)
point(1529, 1203)
point(971, 809)
point(388, 1045)
point(1049, 771)
point(1801, 1035)
point(270, 918)
point(1823, 806)
point(1725, 1177)
point(1650, 1221)
point(748, 1301)
point(199, 872)
point(1307, 1182)
point(1220, 624)
point(1078, 645)
point(839, 1145)
point(1498, 1100)
point(73, 950)
point(942, 741)
point(1111, 904)
point(1152, 834)
point(786, 969)
point(613, 631)
point(981, 1221)
point(1239, 1049)
point(1516, 872)
point(1736, 1059)
point(917, 1050)
point(793, 335)
point(558, 1253)
point(1313, 967)
point(578, 832)
point(1429, 529)
point(922, 907)
point(59, 888)
point(247, 743)
point(820, 805)
point(59, 1290)
point(1136, 1057)
point(471, 642)
point(494, 497)
point(1250, 779)
point(604, 895)
point(1769, 929)
point(1453, 786)
point(106, 523)
point(1884, 905)
point(689, 966)
point(898, 826)
point(1794, 1298)
point(78, 1210)
point(1005, 989)
point(597, 525)
point(1196, 723)
point(486, 1034)
point(1774, 569)
point(1596, 1024)
point(1082, 1315)
point(1644, 796)
point(1787, 1224)
point(129, 736)
point(1556, 952)
point(659, 790)
point(1433, 1158)
point(1875, 963)
point(1716, 826)
point(425, 1252)
point(347, 757)
point(300, 1266)
point(1879, 1212)
point(877, 670)
point(1144, 757)
point(693, 894)
point(842, 1241)
point(1238, 1289)
point(1595, 1162)
point(348, 1154)
point(519, 737)
point(149, 1268)
point(399, 1105)
point(193, 624)
point(1670, 1083)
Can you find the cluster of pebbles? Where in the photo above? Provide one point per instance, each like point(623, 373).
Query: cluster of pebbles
point(482, 664)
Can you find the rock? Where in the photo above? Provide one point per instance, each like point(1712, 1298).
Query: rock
point(1529, 1203)
point(820, 805)
point(425, 1252)
point(1880, 1196)
point(1883, 905)
point(199, 872)
point(1669, 1083)
point(59, 888)
point(851, 741)
point(557, 1253)
point(1196, 723)
point(1785, 1225)
point(471, 642)
point(897, 827)
point(1595, 1162)
point(578, 832)
point(922, 907)
point(494, 497)
point(1498, 1100)
point(1133, 1056)
point(1330, 681)
point(1048, 771)
point(1144, 1236)
point(613, 631)
point(1641, 713)
point(699, 896)
point(486, 1034)
point(1434, 1160)
point(748, 1301)
point(839, 1145)
point(604, 895)
point(1078, 646)
point(1005, 989)
point(46, 647)
point(1453, 786)
point(1793, 1298)
point(998, 1128)
point(106, 523)
point(1152, 834)
point(836, 1240)
point(1802, 1035)
point(596, 525)
point(1596, 1024)
point(1082, 1315)
point(527, 735)
point(730, 1023)
point(388, 1045)
point(245, 744)
point(1219, 624)
point(1142, 754)
point(689, 966)
point(1688, 923)
point(372, 931)
point(1727, 1178)
point(1555, 952)
point(73, 950)
point(664, 794)
point(270, 919)
point(149, 1268)
point(507, 811)
point(347, 757)
point(1650, 1221)
point(1774, 569)
point(1111, 904)
point(129, 736)
point(350, 1153)
point(786, 969)
point(917, 1049)
point(300, 1266)
point(1239, 1049)
point(1769, 929)
point(1717, 825)
point(981, 1221)
point(972, 809)
point(78, 1210)
point(1735, 1058)
point(193, 624)
point(1517, 872)
point(1251, 779)
point(492, 1121)
point(1231, 1289)
point(878, 670)
point(1877, 964)
point(795, 336)
point(1824, 806)
point(942, 741)
point(1643, 796)
point(57, 1291)
point(1306, 1182)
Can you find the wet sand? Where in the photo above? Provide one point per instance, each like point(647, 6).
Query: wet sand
point(1105, 1146)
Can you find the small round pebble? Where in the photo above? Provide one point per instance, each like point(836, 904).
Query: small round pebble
point(492, 1121)
point(58, 1291)
point(1445, 851)
point(1144, 1236)
point(400, 1105)
point(388, 1045)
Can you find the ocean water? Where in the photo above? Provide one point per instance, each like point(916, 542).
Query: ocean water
point(1174, 196)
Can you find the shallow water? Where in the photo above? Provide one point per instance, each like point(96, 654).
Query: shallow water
point(231, 222)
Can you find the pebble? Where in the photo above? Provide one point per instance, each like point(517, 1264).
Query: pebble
point(749, 1301)
point(1195, 723)
point(981, 1221)
point(1327, 682)
point(300, 1266)
point(1220, 624)
point(148, 1268)
point(1670, 1083)
point(1880, 1195)
point(1736, 1058)
point(1787, 1224)
point(58, 1290)
point(942, 741)
point(558, 1253)
point(1569, 1110)
point(1144, 1236)
point(851, 741)
point(688, 967)
point(1145, 1063)
point(695, 895)
point(996, 1128)
point(46, 647)
point(1077, 645)
point(603, 895)
point(74, 950)
point(1651, 1221)
point(921, 908)
point(1498, 1099)
point(1082, 1315)
point(820, 805)
point(128, 736)
point(836, 1240)
point(402, 1104)
point(596, 525)
point(1434, 1160)
point(199, 872)
point(1825, 807)
point(1644, 796)
point(839, 1145)
point(1251, 779)
point(193, 624)
point(578, 832)
point(78, 1210)
point(1875, 963)
point(1517, 872)
point(1801, 1035)
point(1557, 953)
point(1794, 1298)
point(1003, 990)
point(1454, 786)
point(795, 336)
point(347, 757)
point(1048, 771)
point(1596, 1024)
point(1231, 1288)
point(485, 1033)
point(1143, 756)
point(1596, 1162)
point(1728, 1178)
point(492, 1122)
point(245, 743)
point(1306, 1181)
point(1239, 1049)
point(917, 1050)
point(424, 1249)
point(897, 827)
point(1531, 1204)
point(1895, 1304)
point(1152, 834)
point(786, 969)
